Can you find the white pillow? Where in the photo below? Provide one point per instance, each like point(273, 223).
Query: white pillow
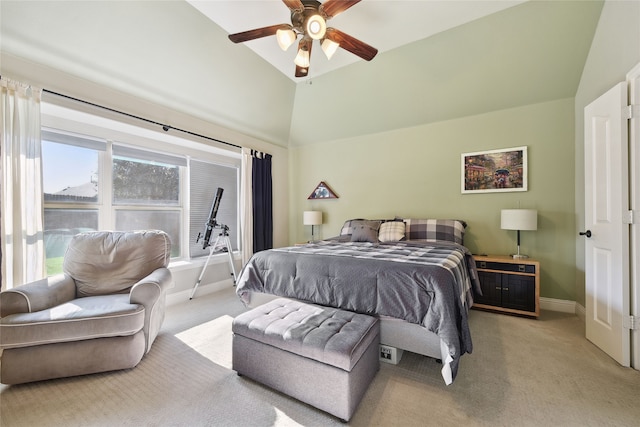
point(391, 231)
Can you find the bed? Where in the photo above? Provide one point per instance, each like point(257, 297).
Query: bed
point(414, 274)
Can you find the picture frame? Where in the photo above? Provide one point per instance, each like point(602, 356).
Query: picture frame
point(322, 191)
point(493, 171)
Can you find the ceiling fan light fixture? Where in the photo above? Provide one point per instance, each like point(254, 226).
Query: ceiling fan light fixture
point(285, 37)
point(309, 21)
point(302, 58)
point(329, 47)
point(316, 27)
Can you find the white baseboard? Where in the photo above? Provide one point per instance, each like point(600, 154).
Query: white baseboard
point(563, 306)
point(183, 296)
point(551, 304)
point(581, 312)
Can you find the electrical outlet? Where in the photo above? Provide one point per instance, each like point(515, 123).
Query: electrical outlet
point(390, 354)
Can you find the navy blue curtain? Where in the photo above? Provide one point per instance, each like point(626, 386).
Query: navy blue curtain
point(262, 201)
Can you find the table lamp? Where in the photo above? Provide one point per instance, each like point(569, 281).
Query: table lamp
point(312, 218)
point(519, 219)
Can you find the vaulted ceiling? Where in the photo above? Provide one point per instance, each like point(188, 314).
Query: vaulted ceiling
point(385, 25)
point(169, 53)
point(438, 60)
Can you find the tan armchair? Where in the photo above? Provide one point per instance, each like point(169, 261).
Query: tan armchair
point(101, 314)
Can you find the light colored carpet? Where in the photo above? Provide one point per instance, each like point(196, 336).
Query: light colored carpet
point(522, 372)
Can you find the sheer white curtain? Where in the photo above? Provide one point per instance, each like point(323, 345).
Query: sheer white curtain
point(21, 220)
point(246, 206)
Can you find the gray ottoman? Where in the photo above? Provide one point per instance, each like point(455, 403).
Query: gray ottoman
point(323, 356)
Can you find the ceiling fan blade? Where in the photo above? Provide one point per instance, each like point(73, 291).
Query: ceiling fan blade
point(245, 36)
point(351, 44)
point(333, 7)
point(294, 4)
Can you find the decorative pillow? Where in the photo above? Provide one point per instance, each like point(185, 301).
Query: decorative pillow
point(451, 230)
point(391, 231)
point(347, 228)
point(365, 231)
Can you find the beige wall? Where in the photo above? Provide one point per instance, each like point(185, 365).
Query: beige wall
point(185, 277)
point(415, 172)
point(163, 61)
point(614, 51)
point(164, 52)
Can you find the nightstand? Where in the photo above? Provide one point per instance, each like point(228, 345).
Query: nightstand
point(508, 285)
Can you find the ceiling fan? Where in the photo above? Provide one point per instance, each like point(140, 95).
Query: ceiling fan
point(309, 20)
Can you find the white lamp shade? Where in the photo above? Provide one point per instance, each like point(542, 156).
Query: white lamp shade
point(329, 47)
point(302, 58)
point(519, 219)
point(312, 218)
point(285, 38)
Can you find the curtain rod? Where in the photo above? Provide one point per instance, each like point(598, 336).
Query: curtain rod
point(165, 127)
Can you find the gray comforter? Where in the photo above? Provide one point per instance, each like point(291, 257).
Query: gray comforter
point(427, 283)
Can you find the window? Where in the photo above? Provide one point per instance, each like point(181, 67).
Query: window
point(146, 192)
point(92, 182)
point(70, 181)
point(205, 181)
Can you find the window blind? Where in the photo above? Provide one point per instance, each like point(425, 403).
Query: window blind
point(150, 156)
point(205, 178)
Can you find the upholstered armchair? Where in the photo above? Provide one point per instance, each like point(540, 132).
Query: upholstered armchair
point(101, 314)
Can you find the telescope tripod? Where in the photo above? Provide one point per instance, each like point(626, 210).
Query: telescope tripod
point(224, 241)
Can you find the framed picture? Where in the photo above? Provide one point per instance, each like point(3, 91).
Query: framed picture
point(322, 191)
point(495, 170)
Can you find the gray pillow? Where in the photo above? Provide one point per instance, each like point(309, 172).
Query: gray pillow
point(365, 231)
point(347, 228)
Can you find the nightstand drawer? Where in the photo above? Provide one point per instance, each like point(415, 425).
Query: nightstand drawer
point(504, 266)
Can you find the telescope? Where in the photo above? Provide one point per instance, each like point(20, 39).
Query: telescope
point(212, 222)
point(222, 243)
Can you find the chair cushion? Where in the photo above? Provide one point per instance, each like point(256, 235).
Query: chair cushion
point(79, 319)
point(108, 262)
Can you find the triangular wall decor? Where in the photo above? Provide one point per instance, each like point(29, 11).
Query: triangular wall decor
point(322, 191)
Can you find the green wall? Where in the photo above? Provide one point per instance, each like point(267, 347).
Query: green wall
point(615, 50)
point(415, 172)
point(526, 54)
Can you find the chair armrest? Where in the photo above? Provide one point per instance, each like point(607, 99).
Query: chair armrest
point(38, 295)
point(148, 290)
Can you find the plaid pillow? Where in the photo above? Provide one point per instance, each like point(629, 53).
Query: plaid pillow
point(450, 230)
point(391, 231)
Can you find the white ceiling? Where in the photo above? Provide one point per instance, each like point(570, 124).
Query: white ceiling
point(383, 24)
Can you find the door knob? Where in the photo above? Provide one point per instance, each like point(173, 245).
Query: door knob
point(586, 233)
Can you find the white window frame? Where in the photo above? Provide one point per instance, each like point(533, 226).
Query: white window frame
point(62, 118)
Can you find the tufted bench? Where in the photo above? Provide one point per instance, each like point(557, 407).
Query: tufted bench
point(323, 356)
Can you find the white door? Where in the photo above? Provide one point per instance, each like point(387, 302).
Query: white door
point(606, 200)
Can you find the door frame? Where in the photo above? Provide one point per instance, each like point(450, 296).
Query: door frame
point(633, 86)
